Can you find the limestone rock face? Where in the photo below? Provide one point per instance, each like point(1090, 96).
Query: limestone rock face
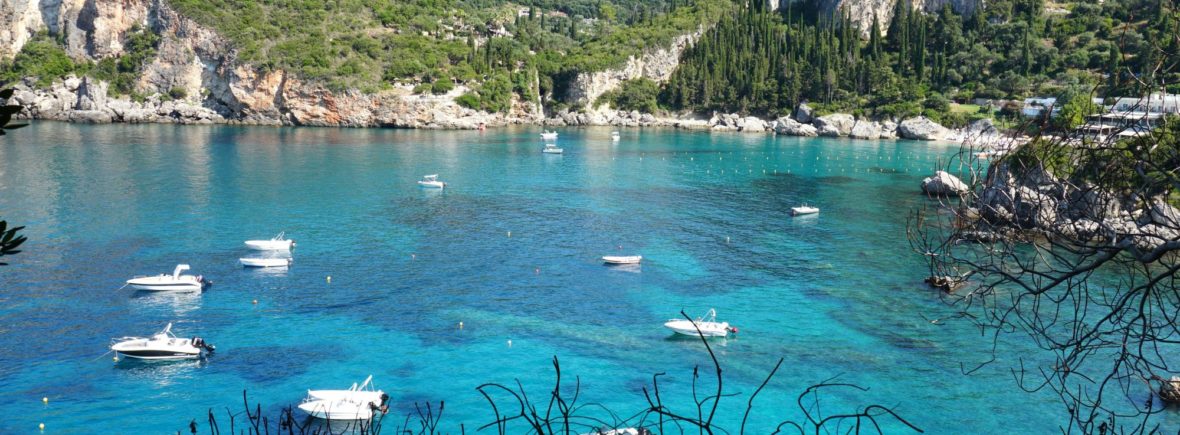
point(803, 114)
point(922, 128)
point(657, 65)
point(865, 129)
point(791, 127)
point(196, 76)
point(752, 124)
point(836, 124)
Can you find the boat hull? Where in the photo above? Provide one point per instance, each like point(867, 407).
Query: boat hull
point(270, 245)
point(552, 151)
point(432, 184)
point(630, 259)
point(159, 355)
point(166, 283)
point(265, 262)
point(337, 410)
point(800, 211)
point(707, 329)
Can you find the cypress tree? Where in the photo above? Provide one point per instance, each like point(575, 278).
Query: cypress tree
point(875, 40)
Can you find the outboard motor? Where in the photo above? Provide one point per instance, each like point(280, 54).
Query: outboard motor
point(200, 343)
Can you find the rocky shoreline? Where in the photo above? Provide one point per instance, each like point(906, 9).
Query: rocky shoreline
point(85, 100)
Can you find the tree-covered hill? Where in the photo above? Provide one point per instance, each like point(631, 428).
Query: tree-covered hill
point(764, 62)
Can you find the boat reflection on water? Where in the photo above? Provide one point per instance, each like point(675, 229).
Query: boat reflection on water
point(179, 304)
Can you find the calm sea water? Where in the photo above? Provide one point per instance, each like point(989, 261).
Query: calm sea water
point(510, 249)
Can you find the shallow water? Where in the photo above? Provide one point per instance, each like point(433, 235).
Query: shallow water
point(510, 249)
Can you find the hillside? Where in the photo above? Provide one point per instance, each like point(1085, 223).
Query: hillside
point(493, 56)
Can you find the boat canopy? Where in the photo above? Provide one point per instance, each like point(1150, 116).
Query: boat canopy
point(430, 177)
point(176, 272)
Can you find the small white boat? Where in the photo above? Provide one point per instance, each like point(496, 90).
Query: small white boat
point(614, 136)
point(549, 135)
point(431, 181)
point(622, 259)
point(276, 243)
point(359, 402)
point(708, 325)
point(161, 346)
point(551, 149)
point(265, 262)
point(173, 282)
point(803, 209)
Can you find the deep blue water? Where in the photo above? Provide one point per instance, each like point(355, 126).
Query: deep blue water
point(510, 249)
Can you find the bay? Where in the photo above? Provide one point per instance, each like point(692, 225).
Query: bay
point(510, 248)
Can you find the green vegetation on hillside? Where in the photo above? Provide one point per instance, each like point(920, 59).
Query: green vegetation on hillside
point(757, 61)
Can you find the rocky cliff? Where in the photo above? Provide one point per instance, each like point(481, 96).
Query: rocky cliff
point(862, 11)
point(217, 87)
point(657, 65)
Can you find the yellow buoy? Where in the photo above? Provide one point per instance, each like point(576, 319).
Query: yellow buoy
point(42, 426)
point(255, 302)
point(329, 279)
point(44, 400)
point(115, 358)
point(460, 325)
point(509, 343)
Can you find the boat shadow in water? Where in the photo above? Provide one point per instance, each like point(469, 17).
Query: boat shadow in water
point(629, 268)
point(713, 341)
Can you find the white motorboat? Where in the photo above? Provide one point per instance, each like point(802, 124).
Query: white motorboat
point(803, 209)
point(173, 282)
point(614, 136)
point(161, 346)
point(622, 259)
point(359, 402)
point(265, 262)
point(549, 135)
point(551, 149)
point(431, 181)
point(708, 325)
point(277, 243)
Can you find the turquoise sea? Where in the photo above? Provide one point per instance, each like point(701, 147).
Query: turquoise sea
point(510, 249)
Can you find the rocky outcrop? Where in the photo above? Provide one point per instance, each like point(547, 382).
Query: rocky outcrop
point(922, 128)
point(752, 124)
point(862, 12)
point(196, 77)
point(803, 114)
point(836, 124)
point(657, 65)
point(791, 127)
point(865, 129)
point(943, 183)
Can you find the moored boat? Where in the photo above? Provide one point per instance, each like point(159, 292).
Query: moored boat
point(707, 325)
point(622, 259)
point(162, 346)
point(360, 402)
point(549, 135)
point(431, 181)
point(265, 262)
point(551, 149)
point(276, 243)
point(173, 282)
point(803, 209)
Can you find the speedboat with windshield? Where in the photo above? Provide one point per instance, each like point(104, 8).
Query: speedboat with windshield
point(431, 181)
point(707, 325)
point(276, 243)
point(164, 345)
point(359, 402)
point(173, 282)
point(549, 135)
